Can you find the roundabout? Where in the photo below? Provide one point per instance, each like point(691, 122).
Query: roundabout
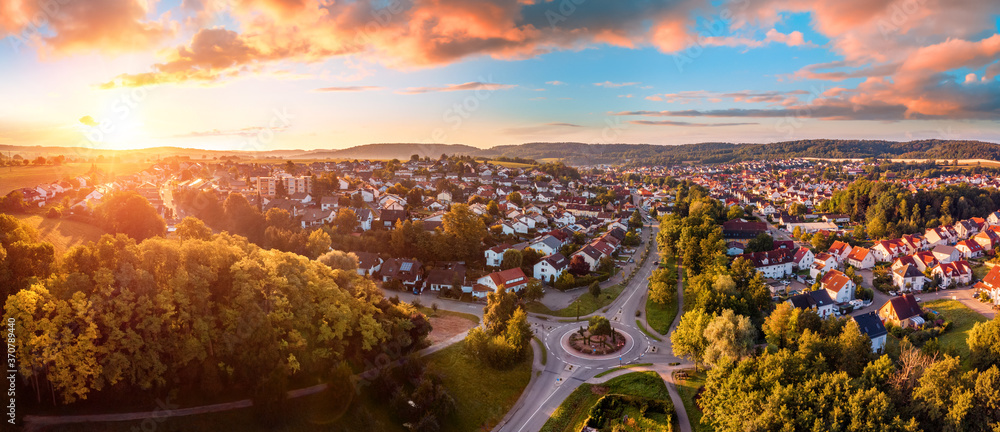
point(557, 342)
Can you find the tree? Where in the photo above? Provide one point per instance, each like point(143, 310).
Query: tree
point(500, 306)
point(735, 212)
point(339, 260)
point(131, 214)
point(466, 231)
point(636, 220)
point(534, 290)
point(578, 265)
point(192, 228)
point(515, 198)
point(781, 327)
point(318, 243)
point(595, 289)
point(762, 243)
point(346, 221)
point(599, 326)
point(688, 340)
point(730, 337)
point(512, 258)
point(984, 344)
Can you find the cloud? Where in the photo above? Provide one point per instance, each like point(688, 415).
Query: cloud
point(555, 83)
point(475, 85)
point(110, 26)
point(245, 132)
point(609, 84)
point(684, 124)
point(348, 89)
point(89, 121)
point(793, 39)
point(563, 124)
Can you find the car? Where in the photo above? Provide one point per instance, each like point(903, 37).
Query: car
point(893, 293)
point(918, 299)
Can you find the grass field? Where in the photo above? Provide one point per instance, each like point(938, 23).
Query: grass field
point(688, 388)
point(962, 319)
point(30, 176)
point(586, 302)
point(616, 369)
point(574, 411)
point(441, 312)
point(979, 272)
point(660, 317)
point(63, 234)
point(482, 395)
point(642, 327)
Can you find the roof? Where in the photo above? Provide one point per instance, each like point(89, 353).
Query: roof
point(834, 281)
point(808, 300)
point(870, 324)
point(509, 278)
point(905, 306)
point(858, 253)
point(769, 258)
point(992, 279)
point(557, 261)
point(908, 271)
point(367, 260)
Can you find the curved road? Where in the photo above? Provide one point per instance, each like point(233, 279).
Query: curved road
point(565, 370)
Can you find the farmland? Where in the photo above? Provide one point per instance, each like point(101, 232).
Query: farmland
point(12, 178)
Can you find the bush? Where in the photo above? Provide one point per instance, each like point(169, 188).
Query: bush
point(53, 213)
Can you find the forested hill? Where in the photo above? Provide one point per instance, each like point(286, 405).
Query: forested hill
point(647, 154)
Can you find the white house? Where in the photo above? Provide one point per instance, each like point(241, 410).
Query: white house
point(550, 267)
point(958, 272)
point(871, 325)
point(861, 257)
point(946, 254)
point(838, 285)
point(908, 278)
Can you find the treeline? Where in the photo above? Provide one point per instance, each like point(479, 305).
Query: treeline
point(822, 375)
point(216, 317)
point(647, 154)
point(887, 210)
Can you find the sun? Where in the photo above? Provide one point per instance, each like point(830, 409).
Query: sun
point(124, 132)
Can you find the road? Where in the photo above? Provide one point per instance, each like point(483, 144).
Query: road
point(566, 370)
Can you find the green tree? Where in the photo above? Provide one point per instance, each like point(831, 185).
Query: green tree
point(688, 340)
point(781, 327)
point(730, 337)
point(192, 228)
point(131, 214)
point(984, 344)
point(595, 289)
point(346, 221)
point(512, 258)
point(466, 232)
point(318, 243)
point(599, 326)
point(515, 198)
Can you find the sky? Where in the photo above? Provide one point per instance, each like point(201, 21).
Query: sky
point(305, 74)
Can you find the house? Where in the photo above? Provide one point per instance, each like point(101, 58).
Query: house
point(969, 249)
point(822, 263)
point(966, 228)
point(870, 325)
point(861, 257)
point(838, 285)
point(368, 263)
point(819, 301)
point(803, 258)
point(925, 260)
point(887, 250)
point(550, 267)
point(546, 245)
point(773, 264)
point(907, 278)
point(739, 228)
point(449, 276)
point(840, 251)
point(946, 254)
point(988, 240)
point(734, 248)
point(958, 273)
point(511, 279)
point(590, 255)
point(991, 284)
point(494, 255)
point(903, 311)
point(407, 271)
point(993, 219)
point(365, 218)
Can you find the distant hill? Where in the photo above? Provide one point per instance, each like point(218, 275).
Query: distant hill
point(574, 153)
point(391, 151)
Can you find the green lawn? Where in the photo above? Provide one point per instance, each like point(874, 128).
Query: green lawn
point(979, 272)
point(482, 395)
point(638, 323)
point(586, 302)
point(660, 317)
point(688, 388)
point(616, 369)
point(574, 411)
point(62, 233)
point(962, 319)
point(441, 312)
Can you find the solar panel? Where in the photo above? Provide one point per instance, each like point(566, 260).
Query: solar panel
point(407, 266)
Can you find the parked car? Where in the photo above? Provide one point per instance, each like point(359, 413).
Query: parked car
point(893, 293)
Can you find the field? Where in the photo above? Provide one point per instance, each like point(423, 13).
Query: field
point(962, 319)
point(586, 303)
point(688, 388)
point(482, 395)
point(446, 324)
point(574, 411)
point(660, 317)
point(63, 234)
point(30, 176)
